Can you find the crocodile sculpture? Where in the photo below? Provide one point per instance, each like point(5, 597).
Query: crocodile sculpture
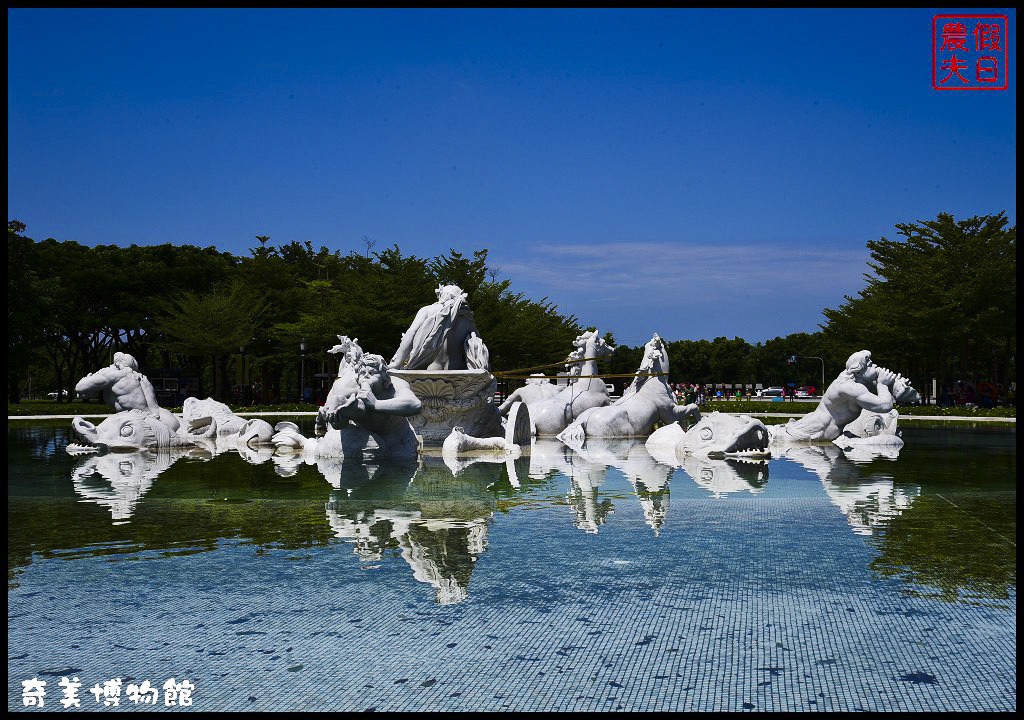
point(714, 435)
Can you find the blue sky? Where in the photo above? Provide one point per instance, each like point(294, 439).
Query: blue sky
point(694, 173)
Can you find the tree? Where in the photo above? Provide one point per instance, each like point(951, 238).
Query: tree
point(213, 324)
point(28, 298)
point(941, 299)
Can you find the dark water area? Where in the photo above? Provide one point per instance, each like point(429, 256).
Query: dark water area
point(556, 580)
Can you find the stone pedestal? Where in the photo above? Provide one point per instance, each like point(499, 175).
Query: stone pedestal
point(453, 398)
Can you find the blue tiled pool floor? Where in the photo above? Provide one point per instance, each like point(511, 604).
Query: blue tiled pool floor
point(814, 585)
point(732, 606)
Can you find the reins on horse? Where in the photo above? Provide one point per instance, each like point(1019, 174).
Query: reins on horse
point(514, 374)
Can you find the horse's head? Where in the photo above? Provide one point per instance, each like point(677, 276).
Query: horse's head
point(593, 345)
point(655, 356)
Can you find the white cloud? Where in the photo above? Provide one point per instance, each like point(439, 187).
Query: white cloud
point(756, 290)
point(757, 269)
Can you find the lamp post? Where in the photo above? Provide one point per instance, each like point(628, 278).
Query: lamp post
point(302, 372)
point(793, 358)
point(245, 375)
point(822, 388)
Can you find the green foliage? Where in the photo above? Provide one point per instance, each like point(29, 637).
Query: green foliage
point(28, 298)
point(938, 548)
point(196, 307)
point(940, 302)
point(801, 407)
point(216, 322)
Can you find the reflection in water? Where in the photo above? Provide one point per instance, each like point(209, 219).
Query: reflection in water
point(123, 479)
point(437, 520)
point(725, 476)
point(647, 475)
point(721, 476)
point(440, 551)
point(549, 455)
point(868, 500)
point(942, 519)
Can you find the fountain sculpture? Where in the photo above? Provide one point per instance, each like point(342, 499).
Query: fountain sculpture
point(552, 415)
point(648, 400)
point(856, 408)
point(447, 366)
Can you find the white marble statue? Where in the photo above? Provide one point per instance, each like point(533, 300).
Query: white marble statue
point(368, 410)
point(648, 400)
point(442, 337)
point(198, 413)
point(460, 450)
point(131, 430)
point(861, 386)
point(136, 430)
point(123, 387)
point(345, 385)
point(714, 435)
point(538, 387)
point(553, 415)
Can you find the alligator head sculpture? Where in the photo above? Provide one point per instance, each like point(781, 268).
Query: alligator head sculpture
point(132, 430)
point(718, 435)
point(715, 435)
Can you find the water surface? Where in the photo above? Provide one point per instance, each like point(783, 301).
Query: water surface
point(591, 580)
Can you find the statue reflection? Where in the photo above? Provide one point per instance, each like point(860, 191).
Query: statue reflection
point(867, 499)
point(648, 475)
point(721, 477)
point(124, 478)
point(726, 476)
point(549, 456)
point(118, 480)
point(436, 520)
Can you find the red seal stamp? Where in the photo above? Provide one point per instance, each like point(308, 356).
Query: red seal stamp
point(970, 52)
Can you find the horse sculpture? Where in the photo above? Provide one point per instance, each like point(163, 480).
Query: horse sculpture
point(648, 400)
point(539, 387)
point(553, 415)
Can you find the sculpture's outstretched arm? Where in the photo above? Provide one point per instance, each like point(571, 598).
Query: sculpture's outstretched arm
point(507, 405)
point(683, 412)
point(404, 402)
point(99, 380)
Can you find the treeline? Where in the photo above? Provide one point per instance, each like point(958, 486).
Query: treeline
point(735, 360)
point(180, 306)
point(939, 302)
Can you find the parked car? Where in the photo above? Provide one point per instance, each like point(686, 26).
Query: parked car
point(805, 391)
point(771, 392)
point(53, 395)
